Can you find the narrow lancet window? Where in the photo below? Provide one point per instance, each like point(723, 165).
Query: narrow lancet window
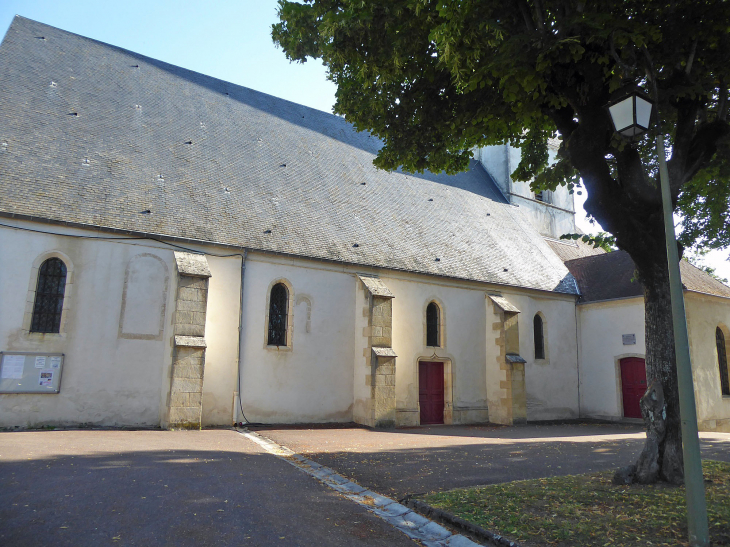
point(49, 294)
point(539, 338)
point(722, 361)
point(278, 310)
point(432, 325)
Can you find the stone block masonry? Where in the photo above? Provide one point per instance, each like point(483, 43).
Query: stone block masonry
point(185, 403)
point(379, 355)
point(508, 404)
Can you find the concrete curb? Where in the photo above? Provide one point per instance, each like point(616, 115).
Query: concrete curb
point(459, 523)
point(412, 524)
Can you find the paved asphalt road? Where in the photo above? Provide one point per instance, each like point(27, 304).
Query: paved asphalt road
point(185, 488)
point(420, 460)
point(215, 488)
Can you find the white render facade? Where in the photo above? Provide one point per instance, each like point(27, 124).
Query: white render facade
point(115, 375)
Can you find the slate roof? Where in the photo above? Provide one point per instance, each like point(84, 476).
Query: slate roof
point(96, 135)
point(610, 276)
point(569, 250)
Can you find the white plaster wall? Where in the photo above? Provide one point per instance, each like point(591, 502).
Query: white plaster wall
point(362, 408)
point(551, 383)
point(495, 160)
point(107, 379)
point(548, 221)
point(704, 315)
point(221, 336)
point(464, 337)
point(601, 347)
point(500, 162)
point(312, 382)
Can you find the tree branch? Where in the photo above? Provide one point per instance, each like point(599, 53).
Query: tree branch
point(691, 58)
point(722, 102)
point(701, 150)
point(628, 69)
point(525, 10)
point(633, 178)
point(685, 128)
point(540, 17)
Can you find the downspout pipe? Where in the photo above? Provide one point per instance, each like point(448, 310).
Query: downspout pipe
point(240, 333)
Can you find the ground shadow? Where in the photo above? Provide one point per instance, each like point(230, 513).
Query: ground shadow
point(176, 498)
point(411, 464)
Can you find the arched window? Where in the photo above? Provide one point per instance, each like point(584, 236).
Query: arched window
point(278, 311)
point(539, 337)
point(49, 293)
point(722, 361)
point(432, 325)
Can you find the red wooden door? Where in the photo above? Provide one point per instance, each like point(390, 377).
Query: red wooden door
point(633, 385)
point(431, 392)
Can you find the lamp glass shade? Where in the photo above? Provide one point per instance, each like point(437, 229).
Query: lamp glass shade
point(622, 114)
point(643, 112)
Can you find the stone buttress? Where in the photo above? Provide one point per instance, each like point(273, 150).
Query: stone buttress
point(380, 377)
point(508, 404)
point(185, 403)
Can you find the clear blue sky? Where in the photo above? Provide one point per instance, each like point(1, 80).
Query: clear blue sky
point(229, 40)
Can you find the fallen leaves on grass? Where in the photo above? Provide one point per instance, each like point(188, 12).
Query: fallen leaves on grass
point(590, 511)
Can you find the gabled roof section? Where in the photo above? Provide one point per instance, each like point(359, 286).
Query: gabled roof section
point(610, 276)
point(98, 136)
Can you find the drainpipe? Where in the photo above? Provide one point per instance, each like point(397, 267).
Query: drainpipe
point(578, 354)
point(240, 332)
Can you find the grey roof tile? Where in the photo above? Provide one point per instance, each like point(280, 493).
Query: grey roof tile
point(609, 276)
point(101, 136)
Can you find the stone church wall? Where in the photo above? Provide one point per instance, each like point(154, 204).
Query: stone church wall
point(551, 383)
point(463, 346)
point(601, 348)
point(115, 331)
point(311, 379)
point(704, 314)
point(221, 336)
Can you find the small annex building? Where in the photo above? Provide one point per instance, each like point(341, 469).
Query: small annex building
point(180, 251)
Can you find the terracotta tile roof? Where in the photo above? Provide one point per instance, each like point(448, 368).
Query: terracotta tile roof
point(99, 136)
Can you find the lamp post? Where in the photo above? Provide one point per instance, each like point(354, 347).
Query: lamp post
point(631, 117)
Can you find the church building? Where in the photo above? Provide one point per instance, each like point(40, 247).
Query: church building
point(180, 251)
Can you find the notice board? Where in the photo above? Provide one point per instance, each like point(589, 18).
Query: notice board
point(25, 372)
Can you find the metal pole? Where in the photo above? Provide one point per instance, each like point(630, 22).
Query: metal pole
point(699, 534)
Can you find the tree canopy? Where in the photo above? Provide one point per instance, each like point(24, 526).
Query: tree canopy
point(433, 79)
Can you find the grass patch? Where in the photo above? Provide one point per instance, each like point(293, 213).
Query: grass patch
point(588, 510)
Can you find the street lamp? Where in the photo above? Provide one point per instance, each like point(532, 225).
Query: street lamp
point(631, 115)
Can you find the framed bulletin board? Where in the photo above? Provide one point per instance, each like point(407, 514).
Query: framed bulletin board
point(24, 372)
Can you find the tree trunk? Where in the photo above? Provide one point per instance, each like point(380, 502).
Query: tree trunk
point(661, 457)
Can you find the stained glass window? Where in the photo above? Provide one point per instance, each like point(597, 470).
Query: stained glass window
point(722, 361)
point(278, 309)
point(49, 293)
point(432, 325)
point(539, 339)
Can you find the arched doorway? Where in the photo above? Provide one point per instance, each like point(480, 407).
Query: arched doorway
point(431, 391)
point(633, 385)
